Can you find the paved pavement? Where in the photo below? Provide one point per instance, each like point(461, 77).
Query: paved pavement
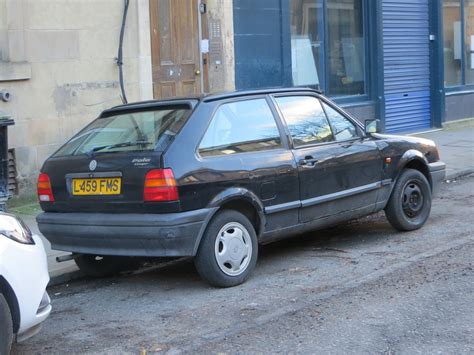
point(358, 288)
point(456, 146)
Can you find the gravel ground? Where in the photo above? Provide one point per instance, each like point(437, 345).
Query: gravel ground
point(359, 287)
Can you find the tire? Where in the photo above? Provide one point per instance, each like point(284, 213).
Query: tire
point(101, 266)
point(6, 327)
point(228, 251)
point(409, 205)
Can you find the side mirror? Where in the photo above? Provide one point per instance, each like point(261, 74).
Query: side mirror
point(372, 126)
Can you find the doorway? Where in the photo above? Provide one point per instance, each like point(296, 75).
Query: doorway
point(176, 58)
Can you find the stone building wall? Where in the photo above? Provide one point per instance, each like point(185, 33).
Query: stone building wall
point(57, 59)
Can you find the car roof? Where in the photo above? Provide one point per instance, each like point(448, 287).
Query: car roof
point(229, 95)
point(192, 101)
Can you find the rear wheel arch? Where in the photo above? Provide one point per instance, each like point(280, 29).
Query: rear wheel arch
point(244, 201)
point(7, 292)
point(248, 210)
point(239, 200)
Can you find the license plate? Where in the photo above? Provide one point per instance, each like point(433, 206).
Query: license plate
point(96, 186)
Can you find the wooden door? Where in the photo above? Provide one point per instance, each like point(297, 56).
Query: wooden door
point(175, 48)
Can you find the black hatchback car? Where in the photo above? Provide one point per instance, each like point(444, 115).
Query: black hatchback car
point(213, 177)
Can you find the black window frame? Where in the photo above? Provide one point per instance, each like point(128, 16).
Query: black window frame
point(283, 138)
point(463, 86)
point(367, 31)
point(323, 104)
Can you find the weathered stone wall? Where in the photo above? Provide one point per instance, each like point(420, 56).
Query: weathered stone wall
point(57, 59)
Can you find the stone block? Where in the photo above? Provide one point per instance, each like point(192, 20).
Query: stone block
point(32, 103)
point(101, 43)
point(16, 46)
point(145, 77)
point(131, 45)
point(3, 15)
point(143, 27)
point(104, 14)
point(43, 131)
point(15, 14)
point(91, 100)
point(26, 163)
point(73, 14)
point(98, 70)
point(53, 14)
point(43, 46)
point(67, 127)
point(4, 45)
point(18, 135)
point(131, 70)
point(10, 71)
point(49, 75)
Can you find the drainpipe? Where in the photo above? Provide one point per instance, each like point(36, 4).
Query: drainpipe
point(120, 51)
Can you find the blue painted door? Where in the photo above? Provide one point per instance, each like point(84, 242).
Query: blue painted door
point(406, 48)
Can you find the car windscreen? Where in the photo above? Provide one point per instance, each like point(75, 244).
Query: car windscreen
point(128, 132)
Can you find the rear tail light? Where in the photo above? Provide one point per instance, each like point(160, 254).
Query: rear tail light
point(45, 192)
point(160, 185)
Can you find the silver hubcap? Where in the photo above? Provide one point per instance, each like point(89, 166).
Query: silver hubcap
point(233, 249)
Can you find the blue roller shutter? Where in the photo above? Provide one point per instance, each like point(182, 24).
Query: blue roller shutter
point(406, 47)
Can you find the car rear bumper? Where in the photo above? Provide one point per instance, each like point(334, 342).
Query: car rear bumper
point(438, 173)
point(154, 235)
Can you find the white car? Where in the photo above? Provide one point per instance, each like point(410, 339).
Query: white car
point(24, 302)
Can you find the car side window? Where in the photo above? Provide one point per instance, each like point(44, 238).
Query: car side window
point(242, 126)
point(305, 119)
point(343, 129)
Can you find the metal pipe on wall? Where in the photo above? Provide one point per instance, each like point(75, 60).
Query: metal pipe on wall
point(120, 52)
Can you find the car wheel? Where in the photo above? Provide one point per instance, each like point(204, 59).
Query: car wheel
point(228, 251)
point(100, 266)
point(409, 205)
point(6, 327)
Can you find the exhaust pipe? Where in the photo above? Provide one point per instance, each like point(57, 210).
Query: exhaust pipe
point(63, 258)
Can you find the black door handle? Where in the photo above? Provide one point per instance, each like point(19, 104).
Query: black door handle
point(308, 162)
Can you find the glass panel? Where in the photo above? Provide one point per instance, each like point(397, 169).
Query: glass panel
point(346, 66)
point(305, 119)
point(469, 40)
point(307, 42)
point(452, 42)
point(139, 131)
point(343, 129)
point(165, 31)
point(238, 127)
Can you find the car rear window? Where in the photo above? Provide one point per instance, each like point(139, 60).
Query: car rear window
point(128, 132)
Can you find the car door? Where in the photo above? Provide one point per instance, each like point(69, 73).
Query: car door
point(339, 170)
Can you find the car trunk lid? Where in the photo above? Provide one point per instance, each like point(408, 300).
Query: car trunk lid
point(103, 183)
